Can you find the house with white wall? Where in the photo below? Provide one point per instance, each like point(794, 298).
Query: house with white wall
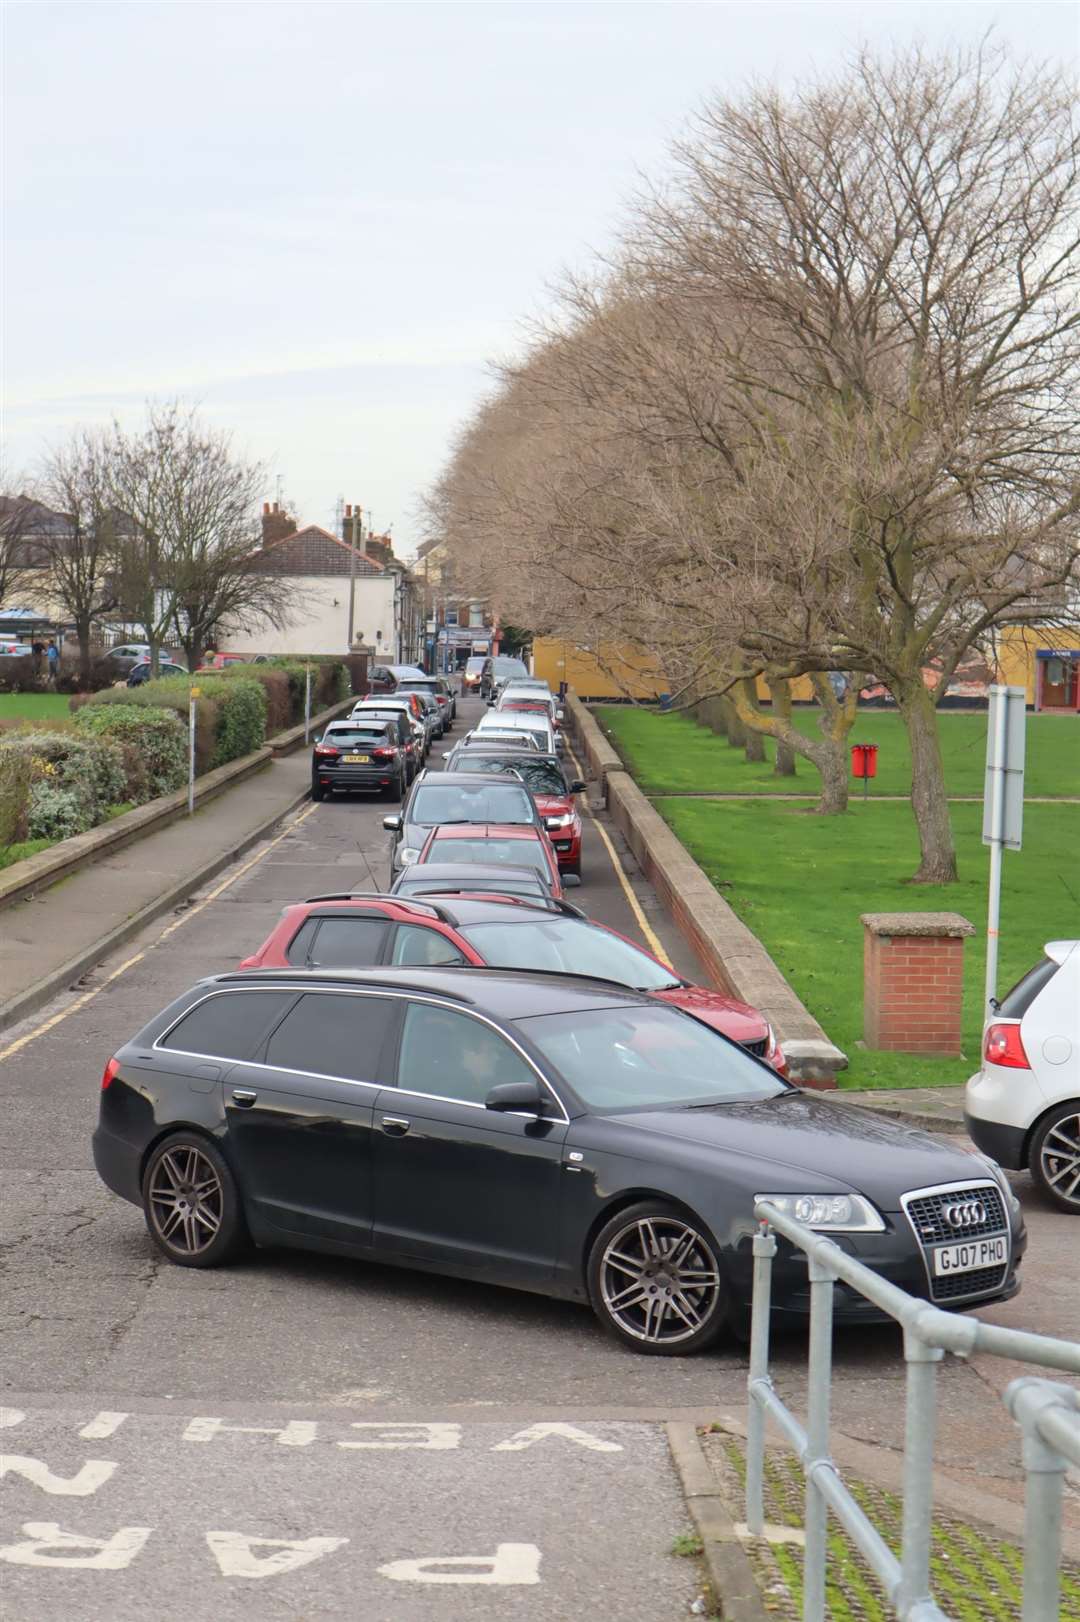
point(317, 564)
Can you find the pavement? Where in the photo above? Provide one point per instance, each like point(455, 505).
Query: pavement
point(177, 1435)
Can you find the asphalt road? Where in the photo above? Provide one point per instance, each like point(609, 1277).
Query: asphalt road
point(111, 1355)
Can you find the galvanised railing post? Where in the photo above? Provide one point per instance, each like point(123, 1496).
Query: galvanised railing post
point(817, 1438)
point(764, 1251)
point(1029, 1400)
point(920, 1417)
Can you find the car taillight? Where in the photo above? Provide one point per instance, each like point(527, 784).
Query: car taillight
point(324, 752)
point(111, 1069)
point(1003, 1045)
point(383, 754)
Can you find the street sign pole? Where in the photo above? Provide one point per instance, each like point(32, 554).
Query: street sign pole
point(1003, 807)
point(192, 698)
point(307, 703)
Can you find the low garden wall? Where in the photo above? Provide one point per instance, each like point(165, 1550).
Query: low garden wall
point(733, 956)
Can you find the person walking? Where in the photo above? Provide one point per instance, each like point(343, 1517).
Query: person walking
point(52, 653)
point(37, 656)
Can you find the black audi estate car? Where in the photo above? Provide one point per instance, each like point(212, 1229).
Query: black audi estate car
point(553, 1133)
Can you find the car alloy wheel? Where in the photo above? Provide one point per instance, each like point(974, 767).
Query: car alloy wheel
point(655, 1281)
point(1055, 1158)
point(191, 1204)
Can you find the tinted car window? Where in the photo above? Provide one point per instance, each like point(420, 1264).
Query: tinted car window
point(230, 1025)
point(435, 803)
point(413, 945)
point(1015, 1004)
point(646, 1058)
point(453, 1056)
point(491, 852)
point(333, 1034)
point(539, 776)
point(339, 943)
point(341, 737)
point(568, 946)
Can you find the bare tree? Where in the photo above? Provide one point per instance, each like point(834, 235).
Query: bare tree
point(188, 560)
point(19, 517)
point(82, 549)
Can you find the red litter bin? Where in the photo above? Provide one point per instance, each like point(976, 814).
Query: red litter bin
point(864, 762)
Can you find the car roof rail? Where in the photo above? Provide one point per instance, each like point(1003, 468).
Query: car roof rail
point(332, 977)
point(375, 895)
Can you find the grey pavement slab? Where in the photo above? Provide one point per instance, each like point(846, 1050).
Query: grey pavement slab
point(51, 929)
point(934, 1107)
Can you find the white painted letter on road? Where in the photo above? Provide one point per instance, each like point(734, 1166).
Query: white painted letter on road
point(11, 1416)
point(236, 1554)
point(69, 1549)
point(433, 1437)
point(512, 1565)
point(571, 1433)
point(94, 1474)
point(104, 1424)
point(296, 1433)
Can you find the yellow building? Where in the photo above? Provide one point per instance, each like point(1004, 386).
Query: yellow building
point(609, 672)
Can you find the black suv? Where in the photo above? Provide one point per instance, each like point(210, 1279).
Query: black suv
point(437, 798)
point(358, 754)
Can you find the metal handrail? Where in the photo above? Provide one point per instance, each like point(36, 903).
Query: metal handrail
point(1048, 1413)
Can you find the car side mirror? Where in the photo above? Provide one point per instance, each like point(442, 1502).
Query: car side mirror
point(392, 824)
point(570, 881)
point(577, 786)
point(513, 1096)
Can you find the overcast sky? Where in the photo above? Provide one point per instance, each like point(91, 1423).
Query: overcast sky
point(321, 220)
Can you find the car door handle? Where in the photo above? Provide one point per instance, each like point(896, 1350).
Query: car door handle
point(244, 1097)
point(395, 1125)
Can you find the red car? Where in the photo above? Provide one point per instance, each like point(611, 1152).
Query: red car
point(545, 780)
point(518, 844)
point(357, 930)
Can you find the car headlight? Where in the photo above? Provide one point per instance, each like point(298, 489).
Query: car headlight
point(407, 856)
point(563, 821)
point(828, 1213)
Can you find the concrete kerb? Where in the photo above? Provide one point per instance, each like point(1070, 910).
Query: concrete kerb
point(735, 1593)
point(57, 980)
point(735, 958)
point(36, 873)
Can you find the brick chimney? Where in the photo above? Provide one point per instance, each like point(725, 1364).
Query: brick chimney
point(352, 529)
point(276, 524)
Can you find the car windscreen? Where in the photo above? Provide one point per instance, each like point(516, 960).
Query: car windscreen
point(633, 1058)
point(454, 801)
point(567, 946)
point(475, 666)
point(417, 684)
point(506, 667)
point(490, 852)
point(539, 776)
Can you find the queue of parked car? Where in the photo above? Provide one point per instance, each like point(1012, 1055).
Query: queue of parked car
point(467, 1073)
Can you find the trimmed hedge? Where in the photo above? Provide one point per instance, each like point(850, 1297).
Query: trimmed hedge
point(154, 742)
point(72, 781)
point(230, 713)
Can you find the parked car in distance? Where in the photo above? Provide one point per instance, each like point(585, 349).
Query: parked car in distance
point(1023, 1104)
point(362, 931)
point(501, 668)
point(443, 690)
point(536, 726)
point(473, 879)
point(436, 798)
point(545, 780)
point(518, 706)
point(358, 754)
point(437, 1081)
point(473, 674)
point(412, 703)
point(494, 843)
point(409, 733)
point(427, 688)
point(430, 710)
point(141, 672)
point(385, 678)
point(496, 737)
point(10, 649)
point(128, 653)
point(222, 661)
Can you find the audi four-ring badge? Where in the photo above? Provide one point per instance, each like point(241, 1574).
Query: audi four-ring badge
point(558, 1134)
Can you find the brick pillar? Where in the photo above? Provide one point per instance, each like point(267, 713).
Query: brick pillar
point(913, 980)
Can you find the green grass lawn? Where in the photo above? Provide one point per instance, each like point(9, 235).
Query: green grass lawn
point(800, 882)
point(34, 706)
point(671, 754)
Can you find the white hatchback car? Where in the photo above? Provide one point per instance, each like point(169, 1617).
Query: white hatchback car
point(1023, 1106)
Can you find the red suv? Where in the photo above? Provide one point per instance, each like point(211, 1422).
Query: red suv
point(358, 930)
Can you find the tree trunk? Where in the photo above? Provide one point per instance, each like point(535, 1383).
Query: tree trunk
point(736, 728)
point(755, 743)
point(82, 631)
point(828, 753)
point(784, 765)
point(929, 800)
